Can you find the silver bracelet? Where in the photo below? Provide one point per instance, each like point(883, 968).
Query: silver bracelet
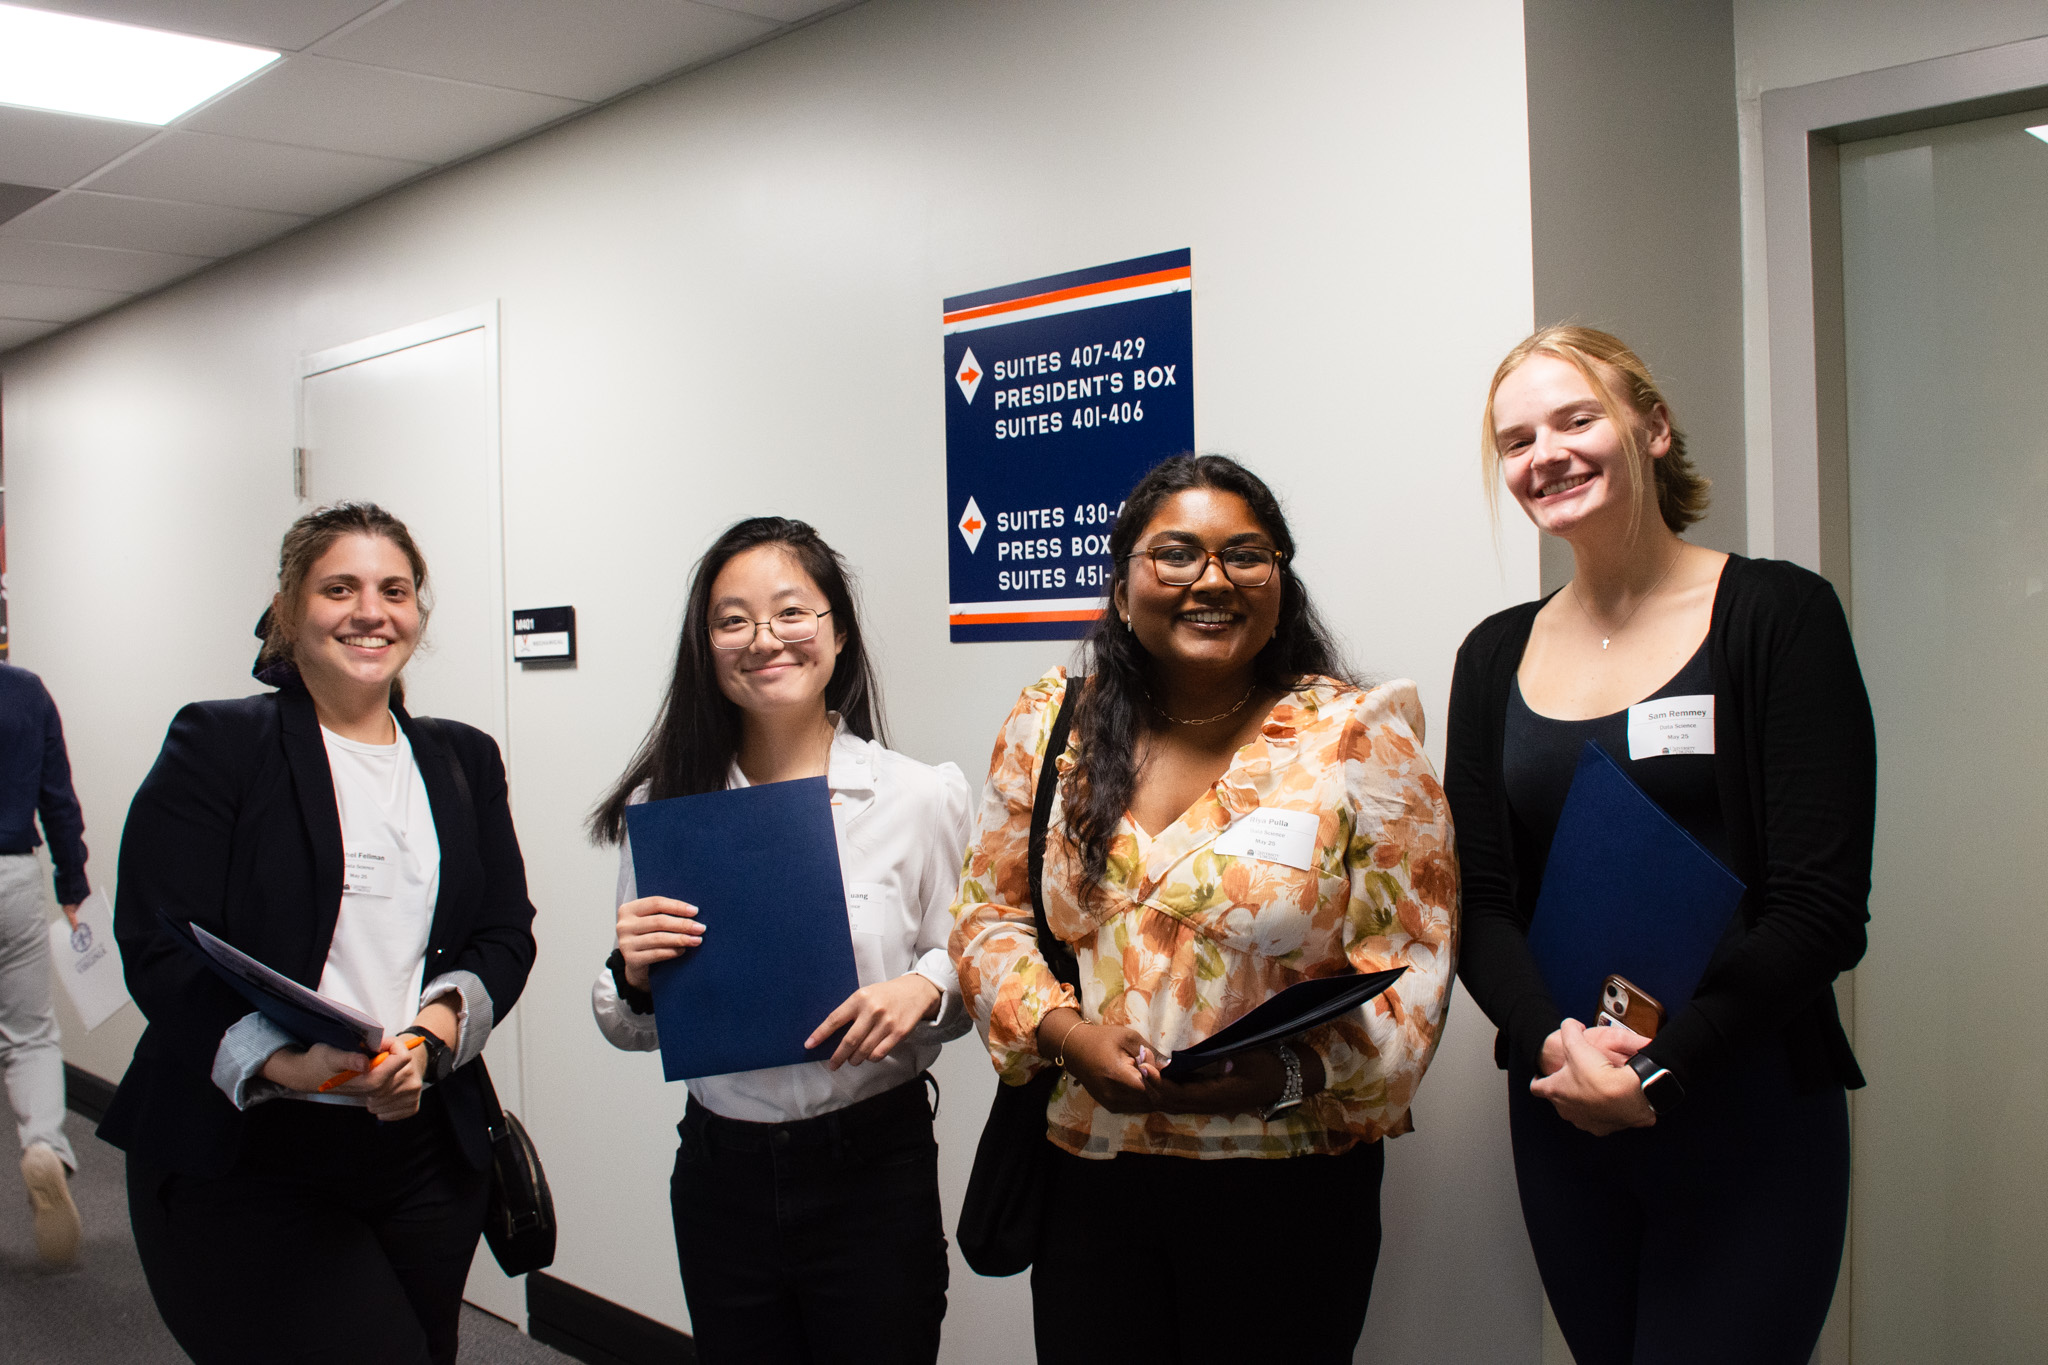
point(1290, 1093)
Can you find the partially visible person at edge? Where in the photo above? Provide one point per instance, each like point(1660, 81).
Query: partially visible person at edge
point(322, 830)
point(805, 1197)
point(35, 779)
point(1213, 693)
point(1686, 1197)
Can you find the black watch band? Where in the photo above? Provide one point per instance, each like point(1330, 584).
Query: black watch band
point(440, 1057)
point(1660, 1087)
point(637, 1000)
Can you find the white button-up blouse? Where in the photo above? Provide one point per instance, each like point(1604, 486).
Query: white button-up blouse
point(902, 829)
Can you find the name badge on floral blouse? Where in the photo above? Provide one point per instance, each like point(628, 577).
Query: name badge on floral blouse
point(1273, 836)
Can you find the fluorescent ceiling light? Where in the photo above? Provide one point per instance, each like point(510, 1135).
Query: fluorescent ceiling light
point(89, 66)
point(2040, 130)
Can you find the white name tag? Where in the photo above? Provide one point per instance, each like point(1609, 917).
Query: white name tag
point(1671, 725)
point(369, 870)
point(1273, 836)
point(867, 908)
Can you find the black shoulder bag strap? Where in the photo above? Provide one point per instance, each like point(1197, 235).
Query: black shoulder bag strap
point(1056, 954)
point(1004, 1208)
point(519, 1222)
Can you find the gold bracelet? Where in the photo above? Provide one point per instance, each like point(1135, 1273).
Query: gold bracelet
point(1061, 1060)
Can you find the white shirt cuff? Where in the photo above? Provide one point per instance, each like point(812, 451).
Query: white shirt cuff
point(622, 1026)
point(951, 1021)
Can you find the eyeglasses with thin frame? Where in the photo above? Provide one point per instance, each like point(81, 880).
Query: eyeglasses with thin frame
point(791, 625)
point(1180, 565)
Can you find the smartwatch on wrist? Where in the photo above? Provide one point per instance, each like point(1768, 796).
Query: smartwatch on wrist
point(637, 1000)
point(440, 1057)
point(1290, 1091)
point(1660, 1087)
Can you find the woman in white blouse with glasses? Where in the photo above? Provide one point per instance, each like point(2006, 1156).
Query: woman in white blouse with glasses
point(805, 1197)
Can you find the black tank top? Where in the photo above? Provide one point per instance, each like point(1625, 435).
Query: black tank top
point(1540, 754)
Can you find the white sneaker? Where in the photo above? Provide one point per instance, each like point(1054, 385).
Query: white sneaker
point(49, 1194)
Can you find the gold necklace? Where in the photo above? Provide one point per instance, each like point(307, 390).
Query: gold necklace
point(1607, 636)
point(1206, 720)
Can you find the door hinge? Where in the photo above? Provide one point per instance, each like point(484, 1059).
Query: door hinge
point(299, 472)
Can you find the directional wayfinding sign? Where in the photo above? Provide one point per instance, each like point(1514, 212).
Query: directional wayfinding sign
point(1060, 394)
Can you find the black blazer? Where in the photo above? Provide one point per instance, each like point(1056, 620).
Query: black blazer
point(1795, 759)
point(236, 828)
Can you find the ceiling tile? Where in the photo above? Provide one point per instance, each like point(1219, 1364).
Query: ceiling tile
point(583, 51)
point(312, 102)
point(782, 11)
point(20, 198)
point(91, 267)
point(288, 26)
point(51, 303)
point(14, 331)
point(209, 169)
point(41, 148)
point(89, 219)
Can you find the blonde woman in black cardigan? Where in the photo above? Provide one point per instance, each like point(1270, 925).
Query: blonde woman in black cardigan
point(1686, 1197)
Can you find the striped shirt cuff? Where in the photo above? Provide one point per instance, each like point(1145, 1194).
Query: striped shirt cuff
point(238, 1061)
point(472, 1006)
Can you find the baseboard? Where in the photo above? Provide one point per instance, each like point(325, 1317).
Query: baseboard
point(85, 1094)
point(597, 1331)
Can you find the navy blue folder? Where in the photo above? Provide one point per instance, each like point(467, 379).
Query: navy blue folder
point(1626, 892)
point(761, 864)
point(305, 1014)
point(1295, 1010)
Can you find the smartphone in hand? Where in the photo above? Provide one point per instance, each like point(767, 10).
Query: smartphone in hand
point(1625, 1003)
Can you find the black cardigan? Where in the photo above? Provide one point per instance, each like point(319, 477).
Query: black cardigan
point(236, 828)
point(1795, 759)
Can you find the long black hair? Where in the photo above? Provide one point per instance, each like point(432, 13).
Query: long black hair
point(1113, 713)
point(696, 735)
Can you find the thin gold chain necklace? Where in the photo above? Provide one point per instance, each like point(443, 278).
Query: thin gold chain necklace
point(1206, 720)
point(1607, 636)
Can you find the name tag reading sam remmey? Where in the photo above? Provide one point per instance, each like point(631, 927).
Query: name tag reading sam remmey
point(1671, 725)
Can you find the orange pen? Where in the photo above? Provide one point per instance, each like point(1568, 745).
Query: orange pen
point(344, 1077)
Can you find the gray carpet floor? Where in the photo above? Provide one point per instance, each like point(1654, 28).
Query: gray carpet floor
point(99, 1312)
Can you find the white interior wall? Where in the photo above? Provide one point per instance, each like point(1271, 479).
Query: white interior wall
point(1783, 43)
point(721, 298)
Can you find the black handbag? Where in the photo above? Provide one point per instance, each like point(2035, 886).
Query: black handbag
point(520, 1222)
point(1004, 1210)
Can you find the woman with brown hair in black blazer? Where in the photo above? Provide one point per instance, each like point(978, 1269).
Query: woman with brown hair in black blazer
point(328, 834)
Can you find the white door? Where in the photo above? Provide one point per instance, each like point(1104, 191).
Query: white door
point(409, 420)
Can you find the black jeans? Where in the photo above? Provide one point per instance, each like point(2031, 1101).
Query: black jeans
point(333, 1239)
point(1173, 1260)
point(816, 1240)
point(1714, 1236)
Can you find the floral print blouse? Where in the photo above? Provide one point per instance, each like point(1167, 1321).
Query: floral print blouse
point(1184, 939)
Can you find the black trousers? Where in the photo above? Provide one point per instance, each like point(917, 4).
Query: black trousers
point(1714, 1236)
point(813, 1241)
point(1172, 1260)
point(334, 1239)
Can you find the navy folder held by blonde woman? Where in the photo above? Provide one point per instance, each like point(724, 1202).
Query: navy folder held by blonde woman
point(761, 864)
point(1626, 892)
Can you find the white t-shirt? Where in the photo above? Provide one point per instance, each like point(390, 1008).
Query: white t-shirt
point(391, 861)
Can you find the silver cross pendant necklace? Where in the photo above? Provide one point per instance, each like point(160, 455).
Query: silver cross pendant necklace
point(1607, 637)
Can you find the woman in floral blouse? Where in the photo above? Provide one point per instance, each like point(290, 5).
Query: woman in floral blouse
point(1216, 714)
